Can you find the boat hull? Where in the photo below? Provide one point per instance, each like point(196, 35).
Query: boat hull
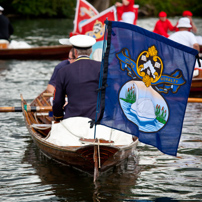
point(59, 52)
point(196, 85)
point(80, 157)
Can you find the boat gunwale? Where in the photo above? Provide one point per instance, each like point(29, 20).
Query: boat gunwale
point(53, 52)
point(43, 141)
point(112, 155)
point(35, 48)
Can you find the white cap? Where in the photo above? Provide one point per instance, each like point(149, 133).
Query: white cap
point(64, 41)
point(1, 8)
point(184, 22)
point(82, 41)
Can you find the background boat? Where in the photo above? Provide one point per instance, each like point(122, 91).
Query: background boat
point(196, 85)
point(55, 52)
point(26, 173)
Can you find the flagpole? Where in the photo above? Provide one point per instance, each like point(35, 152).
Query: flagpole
point(100, 83)
point(194, 100)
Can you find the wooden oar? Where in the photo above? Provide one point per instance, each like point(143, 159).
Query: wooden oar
point(10, 109)
point(28, 108)
point(48, 94)
point(192, 99)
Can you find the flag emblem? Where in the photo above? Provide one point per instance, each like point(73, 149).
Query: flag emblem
point(87, 11)
point(149, 69)
point(98, 30)
point(145, 84)
point(140, 103)
point(150, 66)
point(150, 113)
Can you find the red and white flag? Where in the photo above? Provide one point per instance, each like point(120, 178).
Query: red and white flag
point(95, 26)
point(84, 11)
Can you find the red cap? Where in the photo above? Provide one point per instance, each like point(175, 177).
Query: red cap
point(162, 14)
point(187, 13)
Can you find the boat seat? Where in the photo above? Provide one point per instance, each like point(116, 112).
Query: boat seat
point(41, 126)
point(195, 73)
point(96, 142)
point(4, 43)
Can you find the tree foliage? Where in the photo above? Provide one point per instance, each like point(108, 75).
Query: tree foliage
point(171, 7)
point(66, 8)
point(41, 8)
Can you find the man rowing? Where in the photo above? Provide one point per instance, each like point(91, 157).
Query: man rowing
point(183, 36)
point(6, 29)
point(163, 25)
point(52, 83)
point(79, 81)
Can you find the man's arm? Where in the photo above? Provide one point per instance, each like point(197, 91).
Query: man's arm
point(196, 46)
point(59, 98)
point(160, 30)
point(50, 88)
point(52, 82)
point(170, 26)
point(194, 28)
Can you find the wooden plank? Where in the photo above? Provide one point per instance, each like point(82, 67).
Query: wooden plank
point(59, 52)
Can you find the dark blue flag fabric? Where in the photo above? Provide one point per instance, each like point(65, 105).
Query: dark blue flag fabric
point(145, 84)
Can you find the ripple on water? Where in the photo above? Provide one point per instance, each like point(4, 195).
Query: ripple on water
point(26, 175)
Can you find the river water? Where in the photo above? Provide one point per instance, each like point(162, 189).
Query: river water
point(26, 175)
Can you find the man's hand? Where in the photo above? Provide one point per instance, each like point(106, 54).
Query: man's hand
point(118, 4)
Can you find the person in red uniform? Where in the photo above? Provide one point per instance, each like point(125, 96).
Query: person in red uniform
point(79, 81)
point(128, 10)
point(189, 15)
point(163, 25)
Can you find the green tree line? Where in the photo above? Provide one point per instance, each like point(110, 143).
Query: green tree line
point(39, 8)
point(66, 8)
point(171, 7)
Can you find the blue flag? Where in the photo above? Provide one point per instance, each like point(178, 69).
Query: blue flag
point(146, 80)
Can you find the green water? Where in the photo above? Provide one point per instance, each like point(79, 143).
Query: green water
point(26, 175)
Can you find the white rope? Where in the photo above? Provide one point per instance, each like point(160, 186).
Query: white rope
point(48, 135)
point(98, 149)
point(70, 131)
point(94, 143)
point(41, 126)
point(35, 116)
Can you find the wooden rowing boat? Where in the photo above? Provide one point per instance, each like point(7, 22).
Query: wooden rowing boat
point(97, 155)
point(58, 52)
point(196, 85)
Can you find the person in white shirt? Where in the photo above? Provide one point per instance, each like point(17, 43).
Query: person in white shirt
point(183, 36)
